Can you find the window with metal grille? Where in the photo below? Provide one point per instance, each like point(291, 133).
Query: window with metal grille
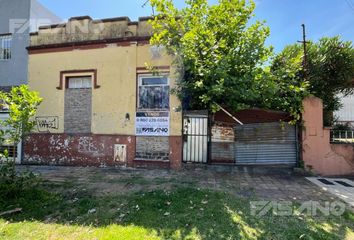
point(11, 150)
point(154, 92)
point(5, 47)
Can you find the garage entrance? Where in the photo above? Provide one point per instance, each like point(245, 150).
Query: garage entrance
point(266, 144)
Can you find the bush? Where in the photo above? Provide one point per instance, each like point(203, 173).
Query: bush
point(13, 183)
point(22, 104)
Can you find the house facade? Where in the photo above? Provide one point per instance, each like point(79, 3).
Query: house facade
point(102, 105)
point(108, 102)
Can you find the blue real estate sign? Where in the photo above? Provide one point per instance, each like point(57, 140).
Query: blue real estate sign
point(152, 124)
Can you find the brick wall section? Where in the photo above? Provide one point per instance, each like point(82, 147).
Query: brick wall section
point(78, 108)
point(152, 148)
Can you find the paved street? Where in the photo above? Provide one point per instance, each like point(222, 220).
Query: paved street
point(342, 188)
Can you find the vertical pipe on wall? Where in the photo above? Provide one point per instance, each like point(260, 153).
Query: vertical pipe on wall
point(298, 160)
point(209, 124)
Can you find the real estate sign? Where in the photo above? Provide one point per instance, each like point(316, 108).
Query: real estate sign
point(152, 124)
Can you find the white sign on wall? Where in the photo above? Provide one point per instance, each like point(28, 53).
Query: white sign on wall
point(152, 124)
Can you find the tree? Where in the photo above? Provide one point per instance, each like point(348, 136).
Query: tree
point(290, 86)
point(330, 70)
point(22, 104)
point(220, 55)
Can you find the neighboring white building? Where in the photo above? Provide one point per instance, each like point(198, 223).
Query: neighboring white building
point(17, 19)
point(346, 113)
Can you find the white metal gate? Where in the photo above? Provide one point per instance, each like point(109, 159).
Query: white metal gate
point(195, 137)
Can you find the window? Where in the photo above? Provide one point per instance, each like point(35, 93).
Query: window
point(5, 47)
point(154, 92)
point(79, 82)
point(4, 107)
point(11, 150)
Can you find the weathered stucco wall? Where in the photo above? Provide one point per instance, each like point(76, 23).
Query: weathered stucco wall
point(117, 77)
point(114, 67)
point(319, 155)
point(80, 29)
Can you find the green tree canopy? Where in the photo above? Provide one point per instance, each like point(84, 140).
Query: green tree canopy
point(329, 71)
point(219, 52)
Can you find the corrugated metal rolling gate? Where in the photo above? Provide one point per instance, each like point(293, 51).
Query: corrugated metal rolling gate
point(266, 143)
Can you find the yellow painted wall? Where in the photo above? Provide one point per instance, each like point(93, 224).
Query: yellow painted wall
point(116, 74)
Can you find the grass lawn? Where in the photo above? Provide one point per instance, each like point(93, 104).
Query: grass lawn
point(66, 211)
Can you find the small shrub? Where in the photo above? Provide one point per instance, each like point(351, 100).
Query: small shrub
point(22, 105)
point(12, 183)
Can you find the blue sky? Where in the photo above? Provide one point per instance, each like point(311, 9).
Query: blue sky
point(284, 17)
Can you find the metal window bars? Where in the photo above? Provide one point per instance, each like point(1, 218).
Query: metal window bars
point(11, 150)
point(5, 47)
point(342, 136)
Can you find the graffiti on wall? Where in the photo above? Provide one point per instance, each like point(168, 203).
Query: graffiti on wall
point(86, 145)
point(48, 123)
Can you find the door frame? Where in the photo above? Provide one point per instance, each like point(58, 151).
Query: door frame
point(200, 151)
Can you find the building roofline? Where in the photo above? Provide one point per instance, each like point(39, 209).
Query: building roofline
point(146, 18)
point(80, 18)
point(52, 26)
point(114, 19)
point(123, 40)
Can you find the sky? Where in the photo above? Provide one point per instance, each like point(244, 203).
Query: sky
point(284, 17)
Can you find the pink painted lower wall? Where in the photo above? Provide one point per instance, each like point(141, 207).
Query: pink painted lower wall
point(319, 155)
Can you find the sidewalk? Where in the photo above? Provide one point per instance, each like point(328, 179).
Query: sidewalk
point(279, 187)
